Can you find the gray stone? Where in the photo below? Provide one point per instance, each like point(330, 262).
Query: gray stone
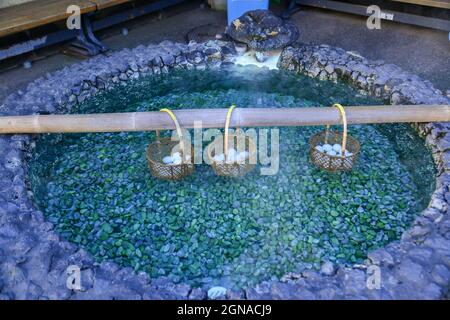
point(283, 291)
point(443, 257)
point(167, 59)
point(6, 296)
point(329, 68)
point(411, 272)
point(444, 228)
point(402, 291)
point(329, 293)
point(432, 214)
point(261, 291)
point(378, 294)
point(381, 257)
point(441, 275)
point(311, 275)
point(87, 279)
point(420, 255)
point(304, 294)
point(261, 30)
point(9, 230)
point(436, 241)
point(13, 273)
point(353, 281)
point(152, 293)
point(418, 232)
point(431, 292)
point(197, 294)
point(24, 244)
point(444, 143)
point(235, 295)
point(33, 291)
point(327, 268)
point(439, 204)
point(181, 291)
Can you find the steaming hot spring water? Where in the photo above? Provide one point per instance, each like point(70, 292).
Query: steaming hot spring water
point(206, 230)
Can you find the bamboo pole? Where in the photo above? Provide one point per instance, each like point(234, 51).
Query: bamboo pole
point(215, 118)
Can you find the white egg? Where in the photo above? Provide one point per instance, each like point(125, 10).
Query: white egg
point(319, 148)
point(327, 147)
point(331, 153)
point(176, 158)
point(231, 159)
point(167, 160)
point(341, 155)
point(348, 154)
point(176, 155)
point(242, 156)
point(232, 152)
point(337, 147)
point(219, 157)
point(231, 156)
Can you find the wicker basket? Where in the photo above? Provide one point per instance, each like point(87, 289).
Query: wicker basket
point(348, 144)
point(228, 168)
point(162, 147)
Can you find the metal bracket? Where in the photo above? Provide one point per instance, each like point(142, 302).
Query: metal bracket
point(293, 7)
point(89, 33)
point(86, 41)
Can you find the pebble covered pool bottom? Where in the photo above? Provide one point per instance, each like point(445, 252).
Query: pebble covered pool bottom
point(205, 230)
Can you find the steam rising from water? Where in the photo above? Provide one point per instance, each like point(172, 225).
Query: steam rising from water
point(248, 58)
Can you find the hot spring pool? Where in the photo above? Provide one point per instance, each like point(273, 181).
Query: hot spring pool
point(205, 230)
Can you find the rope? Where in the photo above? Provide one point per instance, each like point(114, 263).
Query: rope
point(227, 125)
point(177, 126)
point(344, 124)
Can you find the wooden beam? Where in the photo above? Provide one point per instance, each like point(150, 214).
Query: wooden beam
point(444, 4)
point(215, 118)
point(403, 17)
point(103, 4)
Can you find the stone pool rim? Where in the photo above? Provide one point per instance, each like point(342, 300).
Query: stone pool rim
point(414, 267)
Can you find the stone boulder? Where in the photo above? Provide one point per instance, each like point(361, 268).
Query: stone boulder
point(261, 30)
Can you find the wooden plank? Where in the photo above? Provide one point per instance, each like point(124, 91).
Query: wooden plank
point(215, 118)
point(428, 22)
point(444, 4)
point(103, 4)
point(37, 13)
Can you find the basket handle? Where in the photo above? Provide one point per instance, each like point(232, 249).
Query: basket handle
point(227, 125)
point(344, 124)
point(177, 126)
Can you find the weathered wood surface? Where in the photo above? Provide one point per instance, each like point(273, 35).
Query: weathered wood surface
point(103, 4)
point(444, 4)
point(37, 13)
